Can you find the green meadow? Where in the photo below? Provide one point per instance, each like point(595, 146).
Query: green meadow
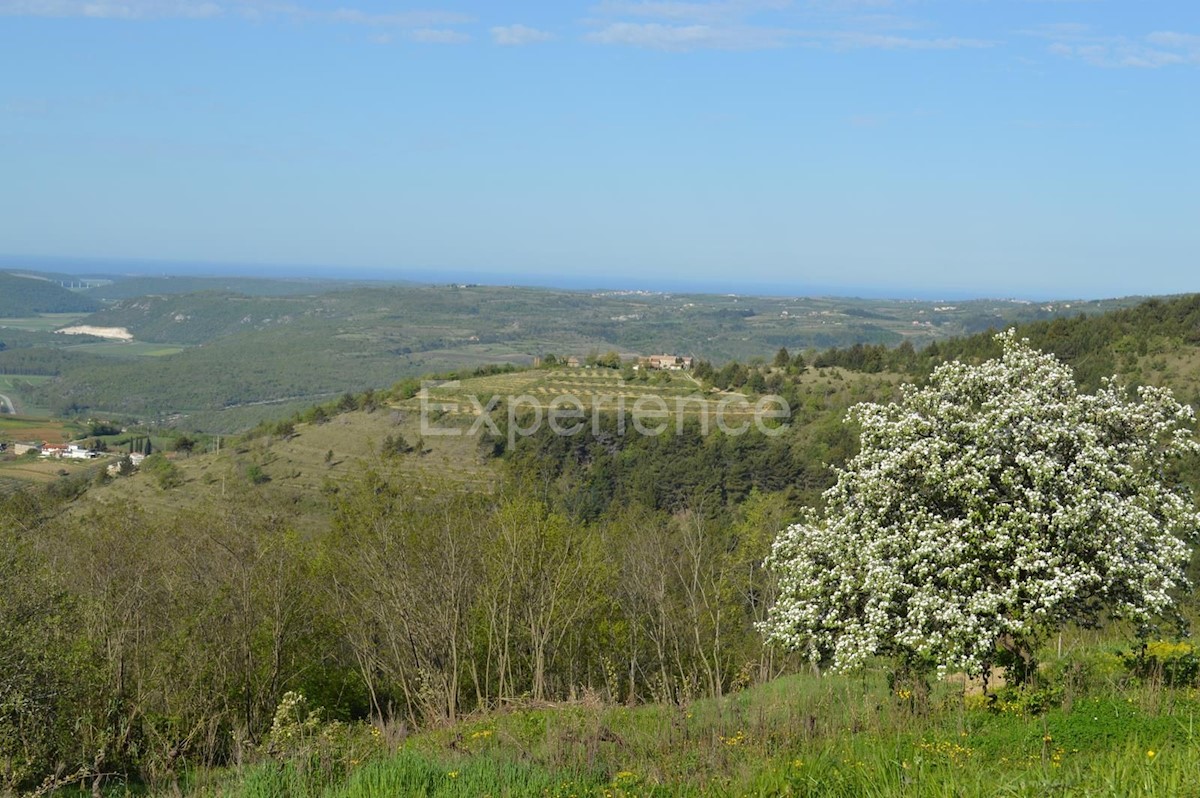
point(1099, 724)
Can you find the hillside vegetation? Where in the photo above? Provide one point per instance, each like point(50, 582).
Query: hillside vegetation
point(214, 355)
point(484, 610)
point(1136, 343)
point(23, 296)
point(1107, 727)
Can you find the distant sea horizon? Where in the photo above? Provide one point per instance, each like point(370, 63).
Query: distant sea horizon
point(135, 267)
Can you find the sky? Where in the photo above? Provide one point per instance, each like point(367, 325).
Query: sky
point(1035, 148)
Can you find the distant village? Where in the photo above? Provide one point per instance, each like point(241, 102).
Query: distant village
point(665, 362)
point(70, 451)
point(643, 362)
point(61, 451)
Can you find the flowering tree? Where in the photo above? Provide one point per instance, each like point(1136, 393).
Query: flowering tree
point(984, 511)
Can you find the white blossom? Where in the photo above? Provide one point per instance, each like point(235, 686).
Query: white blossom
point(997, 502)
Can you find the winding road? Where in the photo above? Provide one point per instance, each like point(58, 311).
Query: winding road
point(6, 405)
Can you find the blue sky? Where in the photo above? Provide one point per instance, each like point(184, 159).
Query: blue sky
point(987, 147)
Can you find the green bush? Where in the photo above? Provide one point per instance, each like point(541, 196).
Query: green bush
point(164, 472)
point(1174, 664)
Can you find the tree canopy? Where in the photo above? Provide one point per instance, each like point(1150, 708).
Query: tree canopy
point(985, 510)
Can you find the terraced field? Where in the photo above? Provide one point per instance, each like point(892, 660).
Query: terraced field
point(597, 389)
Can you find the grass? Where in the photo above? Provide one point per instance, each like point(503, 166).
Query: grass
point(303, 467)
point(42, 322)
point(41, 470)
point(798, 735)
point(26, 428)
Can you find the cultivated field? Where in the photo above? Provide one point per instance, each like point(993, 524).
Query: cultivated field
point(33, 429)
point(599, 389)
point(42, 322)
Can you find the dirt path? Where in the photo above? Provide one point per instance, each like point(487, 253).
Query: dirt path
point(7, 406)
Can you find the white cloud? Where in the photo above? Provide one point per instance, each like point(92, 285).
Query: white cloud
point(1058, 30)
point(681, 26)
point(422, 23)
point(1153, 51)
point(860, 41)
point(1184, 41)
point(112, 9)
point(678, 38)
point(401, 19)
point(677, 25)
point(517, 35)
point(689, 12)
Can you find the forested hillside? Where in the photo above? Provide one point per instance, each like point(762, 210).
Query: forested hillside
point(23, 296)
point(209, 358)
point(1155, 342)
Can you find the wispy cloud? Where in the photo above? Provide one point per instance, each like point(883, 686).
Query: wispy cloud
point(740, 37)
point(419, 25)
point(1057, 30)
point(690, 12)
point(1151, 51)
point(677, 26)
point(403, 19)
point(859, 41)
point(517, 35)
point(762, 24)
point(112, 9)
point(679, 38)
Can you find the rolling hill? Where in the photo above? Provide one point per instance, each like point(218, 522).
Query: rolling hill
point(25, 296)
point(215, 358)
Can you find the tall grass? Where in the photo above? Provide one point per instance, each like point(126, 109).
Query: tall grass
point(1109, 735)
